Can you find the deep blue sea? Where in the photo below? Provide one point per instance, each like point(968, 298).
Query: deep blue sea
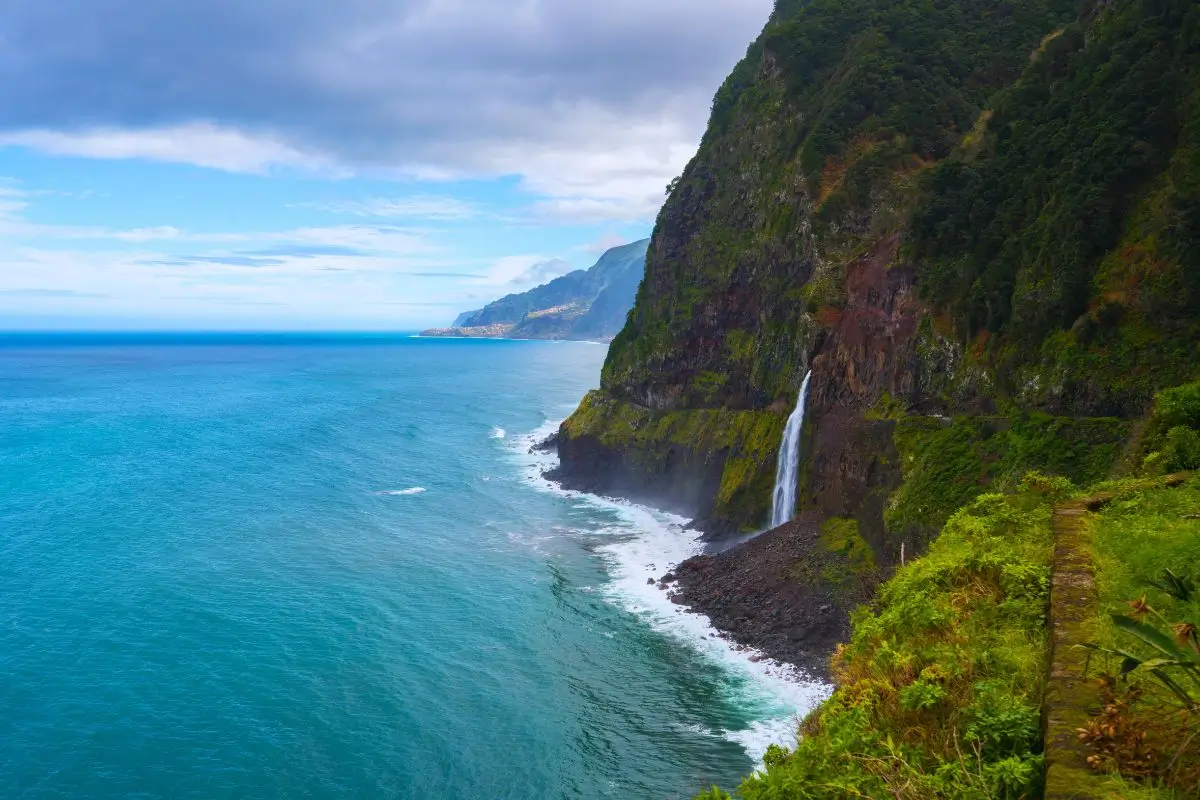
point(274, 566)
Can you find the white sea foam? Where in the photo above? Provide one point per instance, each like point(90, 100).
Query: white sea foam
point(497, 433)
point(647, 544)
point(404, 492)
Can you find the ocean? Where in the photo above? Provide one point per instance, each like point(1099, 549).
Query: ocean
point(289, 566)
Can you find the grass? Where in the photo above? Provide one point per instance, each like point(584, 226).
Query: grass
point(948, 462)
point(1146, 732)
point(940, 687)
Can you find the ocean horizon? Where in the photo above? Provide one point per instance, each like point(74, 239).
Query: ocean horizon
point(263, 564)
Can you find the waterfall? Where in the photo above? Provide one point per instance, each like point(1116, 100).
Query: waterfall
point(783, 501)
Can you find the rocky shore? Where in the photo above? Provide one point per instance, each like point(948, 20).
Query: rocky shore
point(768, 593)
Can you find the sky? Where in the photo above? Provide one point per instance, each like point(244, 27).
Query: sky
point(296, 164)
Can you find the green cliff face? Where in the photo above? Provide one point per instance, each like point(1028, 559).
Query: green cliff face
point(952, 211)
point(812, 153)
point(1063, 242)
point(723, 457)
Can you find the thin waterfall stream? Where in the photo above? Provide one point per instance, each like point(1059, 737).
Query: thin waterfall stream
point(783, 500)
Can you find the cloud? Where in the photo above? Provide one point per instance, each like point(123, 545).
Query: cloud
point(603, 244)
point(200, 144)
point(54, 281)
point(589, 211)
point(221, 300)
point(543, 271)
point(580, 101)
point(524, 270)
point(316, 272)
point(419, 207)
point(416, 303)
point(48, 293)
point(13, 199)
point(228, 261)
point(308, 251)
point(473, 275)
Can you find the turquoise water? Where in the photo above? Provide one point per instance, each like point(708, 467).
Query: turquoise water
point(280, 566)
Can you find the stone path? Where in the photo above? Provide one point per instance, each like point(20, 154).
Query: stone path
point(1071, 698)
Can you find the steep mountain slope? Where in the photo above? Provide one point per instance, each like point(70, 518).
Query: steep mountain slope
point(584, 304)
point(510, 309)
point(960, 215)
point(978, 225)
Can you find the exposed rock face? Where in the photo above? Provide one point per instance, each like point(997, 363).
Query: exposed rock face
point(685, 484)
point(927, 247)
point(753, 591)
point(710, 464)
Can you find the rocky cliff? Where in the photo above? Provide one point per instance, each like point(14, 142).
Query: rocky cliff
point(585, 304)
point(975, 222)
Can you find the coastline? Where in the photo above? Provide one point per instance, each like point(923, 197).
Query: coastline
point(654, 543)
point(766, 591)
point(451, 337)
point(780, 592)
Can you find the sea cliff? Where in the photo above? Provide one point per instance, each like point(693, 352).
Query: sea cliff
point(976, 224)
point(908, 241)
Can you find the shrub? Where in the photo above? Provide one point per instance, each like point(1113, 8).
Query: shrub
point(1178, 406)
point(940, 684)
point(1180, 451)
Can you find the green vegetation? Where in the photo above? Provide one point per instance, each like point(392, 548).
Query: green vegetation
point(744, 442)
point(811, 156)
point(1147, 553)
point(842, 562)
point(1172, 439)
point(1072, 231)
point(850, 562)
point(1038, 162)
point(940, 687)
point(839, 535)
point(946, 463)
point(1148, 557)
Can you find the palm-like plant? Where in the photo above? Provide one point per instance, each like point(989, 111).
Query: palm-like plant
point(1175, 659)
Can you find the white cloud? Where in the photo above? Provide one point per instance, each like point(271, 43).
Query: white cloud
point(390, 239)
point(426, 207)
point(594, 108)
point(327, 272)
point(39, 280)
point(12, 201)
point(590, 165)
point(506, 270)
point(603, 244)
point(147, 234)
point(200, 144)
point(541, 272)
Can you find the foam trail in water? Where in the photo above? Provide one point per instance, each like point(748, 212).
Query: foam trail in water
point(497, 433)
point(783, 501)
point(404, 492)
point(647, 543)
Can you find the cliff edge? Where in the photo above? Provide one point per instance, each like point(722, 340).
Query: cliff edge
point(975, 223)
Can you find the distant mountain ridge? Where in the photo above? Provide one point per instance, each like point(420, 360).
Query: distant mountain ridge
point(584, 304)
